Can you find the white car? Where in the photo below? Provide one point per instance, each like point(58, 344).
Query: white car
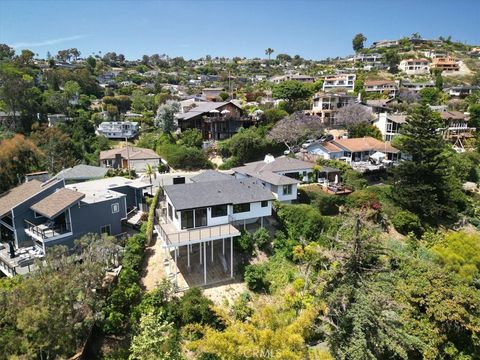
point(308, 143)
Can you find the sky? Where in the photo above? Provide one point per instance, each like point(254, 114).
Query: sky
point(314, 29)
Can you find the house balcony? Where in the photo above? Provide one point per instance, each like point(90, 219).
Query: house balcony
point(173, 237)
point(23, 261)
point(47, 231)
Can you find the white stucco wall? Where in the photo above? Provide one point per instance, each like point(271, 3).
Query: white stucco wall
point(139, 165)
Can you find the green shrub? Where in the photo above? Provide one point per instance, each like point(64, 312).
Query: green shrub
point(240, 307)
point(301, 221)
point(194, 307)
point(406, 222)
point(182, 157)
point(261, 237)
point(327, 204)
point(255, 277)
point(246, 243)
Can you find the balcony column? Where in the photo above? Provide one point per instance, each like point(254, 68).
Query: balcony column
point(223, 246)
point(212, 249)
point(188, 256)
point(176, 268)
point(200, 246)
point(205, 264)
point(231, 257)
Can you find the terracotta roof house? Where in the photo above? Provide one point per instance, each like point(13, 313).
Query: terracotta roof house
point(35, 216)
point(281, 175)
point(215, 120)
point(445, 64)
point(131, 157)
point(354, 150)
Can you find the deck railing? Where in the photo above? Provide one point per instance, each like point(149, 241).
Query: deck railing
point(45, 231)
point(189, 235)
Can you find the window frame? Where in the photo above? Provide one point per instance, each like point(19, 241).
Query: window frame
point(264, 204)
point(109, 232)
point(240, 208)
point(213, 214)
point(117, 205)
point(290, 189)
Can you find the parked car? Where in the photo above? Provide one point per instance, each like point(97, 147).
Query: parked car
point(328, 137)
point(308, 143)
point(292, 150)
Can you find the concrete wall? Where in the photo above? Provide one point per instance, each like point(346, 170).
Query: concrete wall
point(139, 165)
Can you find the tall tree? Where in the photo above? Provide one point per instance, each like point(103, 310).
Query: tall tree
point(165, 118)
point(424, 182)
point(358, 42)
point(18, 156)
point(269, 53)
point(292, 92)
point(353, 114)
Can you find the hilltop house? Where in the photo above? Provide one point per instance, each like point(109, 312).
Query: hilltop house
point(354, 150)
point(35, 216)
point(302, 78)
point(215, 120)
point(389, 124)
point(118, 129)
point(456, 125)
point(197, 215)
point(339, 81)
point(325, 105)
point(389, 88)
point(129, 157)
point(280, 175)
point(415, 66)
point(445, 64)
point(416, 86)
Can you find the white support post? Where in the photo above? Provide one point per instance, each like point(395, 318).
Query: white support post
point(200, 245)
point(176, 268)
point(231, 257)
point(205, 264)
point(223, 246)
point(261, 221)
point(212, 250)
point(244, 224)
point(188, 256)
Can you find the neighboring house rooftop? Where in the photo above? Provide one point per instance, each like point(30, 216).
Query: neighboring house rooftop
point(396, 118)
point(57, 202)
point(104, 189)
point(452, 115)
point(279, 164)
point(130, 152)
point(365, 144)
point(19, 194)
point(202, 108)
point(210, 175)
point(82, 172)
point(203, 193)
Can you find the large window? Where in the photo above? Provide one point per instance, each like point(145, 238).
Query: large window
point(287, 189)
point(200, 217)
point(241, 208)
point(264, 203)
point(194, 218)
point(187, 219)
point(219, 210)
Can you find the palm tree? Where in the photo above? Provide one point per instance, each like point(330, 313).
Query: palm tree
point(150, 170)
point(269, 52)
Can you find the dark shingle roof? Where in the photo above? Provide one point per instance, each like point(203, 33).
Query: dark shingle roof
point(211, 175)
point(82, 172)
point(203, 194)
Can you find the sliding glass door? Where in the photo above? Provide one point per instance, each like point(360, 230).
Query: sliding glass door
point(194, 218)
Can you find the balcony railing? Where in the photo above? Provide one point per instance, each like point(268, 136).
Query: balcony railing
point(46, 230)
point(198, 234)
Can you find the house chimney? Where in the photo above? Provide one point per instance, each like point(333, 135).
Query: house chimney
point(269, 159)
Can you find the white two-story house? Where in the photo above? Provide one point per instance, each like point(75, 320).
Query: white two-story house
point(204, 214)
point(280, 175)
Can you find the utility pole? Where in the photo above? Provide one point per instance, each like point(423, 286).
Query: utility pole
point(128, 156)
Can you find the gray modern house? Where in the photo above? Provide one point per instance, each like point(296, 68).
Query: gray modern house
point(36, 216)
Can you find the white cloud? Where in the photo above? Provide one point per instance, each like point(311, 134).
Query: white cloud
point(47, 42)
